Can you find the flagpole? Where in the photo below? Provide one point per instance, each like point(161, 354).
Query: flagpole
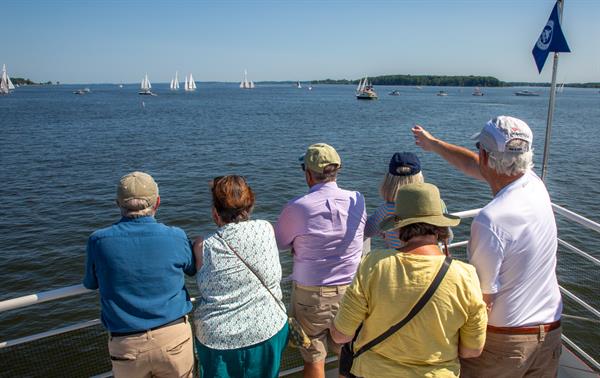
point(551, 104)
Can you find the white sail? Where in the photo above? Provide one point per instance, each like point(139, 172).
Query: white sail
point(358, 88)
point(176, 80)
point(192, 83)
point(145, 86)
point(186, 86)
point(172, 85)
point(245, 84)
point(4, 81)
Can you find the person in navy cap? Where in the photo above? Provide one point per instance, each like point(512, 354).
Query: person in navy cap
point(404, 168)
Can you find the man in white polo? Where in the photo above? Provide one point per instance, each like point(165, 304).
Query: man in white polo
point(513, 247)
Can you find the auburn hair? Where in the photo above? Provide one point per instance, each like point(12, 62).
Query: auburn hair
point(232, 198)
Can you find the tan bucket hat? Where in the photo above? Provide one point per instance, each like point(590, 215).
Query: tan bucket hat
point(418, 203)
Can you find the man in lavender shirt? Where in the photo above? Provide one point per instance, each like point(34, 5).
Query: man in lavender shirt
point(324, 229)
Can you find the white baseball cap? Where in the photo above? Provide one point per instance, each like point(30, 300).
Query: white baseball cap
point(497, 134)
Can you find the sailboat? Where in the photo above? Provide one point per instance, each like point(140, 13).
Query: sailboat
point(365, 90)
point(245, 84)
point(5, 84)
point(190, 84)
point(560, 88)
point(174, 83)
point(298, 85)
point(145, 87)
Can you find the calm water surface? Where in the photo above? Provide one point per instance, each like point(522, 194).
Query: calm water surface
point(63, 154)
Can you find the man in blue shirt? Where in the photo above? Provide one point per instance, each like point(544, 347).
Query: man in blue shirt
point(138, 265)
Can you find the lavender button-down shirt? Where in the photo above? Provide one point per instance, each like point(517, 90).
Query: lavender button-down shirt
point(325, 229)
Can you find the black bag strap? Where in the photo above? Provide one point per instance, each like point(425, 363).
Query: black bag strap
point(262, 281)
point(414, 311)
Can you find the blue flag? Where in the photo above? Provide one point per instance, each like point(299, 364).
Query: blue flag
point(551, 39)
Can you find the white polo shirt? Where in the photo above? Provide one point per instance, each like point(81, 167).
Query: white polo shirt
point(513, 248)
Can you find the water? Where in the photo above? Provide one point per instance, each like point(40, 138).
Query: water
point(62, 156)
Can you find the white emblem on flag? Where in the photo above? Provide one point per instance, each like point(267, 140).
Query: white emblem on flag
point(546, 37)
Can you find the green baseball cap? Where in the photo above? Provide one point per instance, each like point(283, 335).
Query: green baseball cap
point(320, 155)
point(137, 185)
point(418, 203)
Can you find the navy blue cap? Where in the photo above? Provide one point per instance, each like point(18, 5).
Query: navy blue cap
point(404, 164)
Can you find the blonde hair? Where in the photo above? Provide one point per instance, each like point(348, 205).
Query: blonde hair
point(391, 183)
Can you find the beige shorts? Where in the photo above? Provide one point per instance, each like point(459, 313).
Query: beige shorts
point(508, 356)
point(164, 352)
point(315, 307)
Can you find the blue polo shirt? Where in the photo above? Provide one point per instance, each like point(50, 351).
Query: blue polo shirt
point(139, 264)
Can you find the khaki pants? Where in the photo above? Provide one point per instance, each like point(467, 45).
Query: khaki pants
point(163, 352)
point(315, 307)
point(514, 356)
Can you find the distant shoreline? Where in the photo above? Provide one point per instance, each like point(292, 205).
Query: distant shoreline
point(390, 80)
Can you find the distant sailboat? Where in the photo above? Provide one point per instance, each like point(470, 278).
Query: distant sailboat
point(145, 87)
point(174, 83)
point(245, 84)
point(365, 90)
point(5, 84)
point(560, 88)
point(298, 85)
point(190, 84)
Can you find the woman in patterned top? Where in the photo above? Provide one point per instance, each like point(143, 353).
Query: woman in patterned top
point(241, 328)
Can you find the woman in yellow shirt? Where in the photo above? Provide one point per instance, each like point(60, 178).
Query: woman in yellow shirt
point(389, 283)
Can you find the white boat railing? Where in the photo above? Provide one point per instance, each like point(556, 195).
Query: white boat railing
point(76, 290)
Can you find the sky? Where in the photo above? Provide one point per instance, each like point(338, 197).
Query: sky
point(118, 41)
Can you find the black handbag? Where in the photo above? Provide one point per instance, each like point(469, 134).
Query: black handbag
point(347, 354)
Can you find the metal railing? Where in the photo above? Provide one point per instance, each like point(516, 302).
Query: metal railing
point(76, 290)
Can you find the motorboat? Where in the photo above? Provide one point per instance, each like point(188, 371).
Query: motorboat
point(82, 91)
point(395, 92)
point(526, 93)
point(477, 92)
point(441, 93)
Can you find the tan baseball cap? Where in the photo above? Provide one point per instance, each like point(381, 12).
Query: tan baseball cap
point(137, 185)
point(320, 155)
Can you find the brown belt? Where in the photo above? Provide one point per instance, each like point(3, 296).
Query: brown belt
point(528, 330)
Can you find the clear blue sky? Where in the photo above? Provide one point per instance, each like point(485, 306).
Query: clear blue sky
point(116, 41)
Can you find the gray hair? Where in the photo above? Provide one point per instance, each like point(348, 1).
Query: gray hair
point(137, 208)
point(329, 174)
point(511, 163)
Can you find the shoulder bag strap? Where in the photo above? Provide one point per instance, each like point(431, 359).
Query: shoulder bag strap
point(262, 281)
point(414, 311)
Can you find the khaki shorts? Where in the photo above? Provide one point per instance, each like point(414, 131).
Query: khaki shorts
point(509, 356)
point(315, 307)
point(164, 352)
